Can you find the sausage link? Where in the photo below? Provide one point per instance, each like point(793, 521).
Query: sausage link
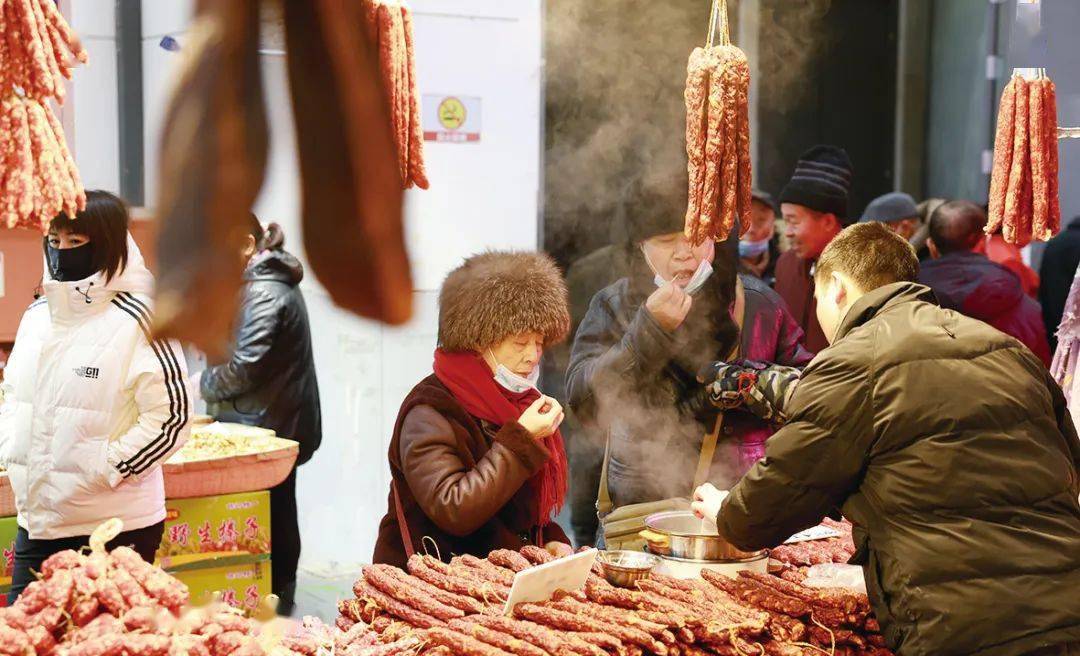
point(1020, 163)
point(695, 95)
point(1003, 149)
point(461, 644)
point(511, 560)
point(503, 641)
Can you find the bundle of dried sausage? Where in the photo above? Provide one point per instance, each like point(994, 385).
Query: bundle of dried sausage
point(115, 604)
point(409, 591)
point(37, 49)
point(1024, 202)
point(38, 177)
point(717, 142)
point(372, 596)
point(389, 24)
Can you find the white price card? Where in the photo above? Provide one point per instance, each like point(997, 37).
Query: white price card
point(540, 583)
point(813, 533)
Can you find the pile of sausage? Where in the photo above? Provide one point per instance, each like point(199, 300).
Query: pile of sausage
point(391, 29)
point(116, 604)
point(38, 177)
point(456, 608)
point(794, 559)
point(1024, 202)
point(717, 142)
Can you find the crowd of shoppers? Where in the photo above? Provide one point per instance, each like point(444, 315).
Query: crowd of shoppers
point(661, 337)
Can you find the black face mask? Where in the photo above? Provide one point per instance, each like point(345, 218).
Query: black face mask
point(67, 264)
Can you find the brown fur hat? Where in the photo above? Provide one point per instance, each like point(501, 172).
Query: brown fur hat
point(496, 294)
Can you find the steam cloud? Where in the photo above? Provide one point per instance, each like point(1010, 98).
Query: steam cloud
point(616, 71)
point(615, 76)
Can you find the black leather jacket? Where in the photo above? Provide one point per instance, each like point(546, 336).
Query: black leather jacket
point(627, 377)
point(270, 379)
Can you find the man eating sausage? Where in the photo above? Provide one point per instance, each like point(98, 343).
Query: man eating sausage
point(637, 353)
point(949, 447)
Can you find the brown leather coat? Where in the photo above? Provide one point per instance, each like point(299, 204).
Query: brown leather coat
point(460, 481)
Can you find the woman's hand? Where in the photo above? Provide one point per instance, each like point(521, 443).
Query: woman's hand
point(542, 418)
point(559, 549)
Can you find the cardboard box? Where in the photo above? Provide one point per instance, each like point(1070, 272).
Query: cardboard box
point(8, 530)
point(212, 544)
point(243, 586)
point(215, 529)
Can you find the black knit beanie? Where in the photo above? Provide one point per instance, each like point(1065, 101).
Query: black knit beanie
point(821, 182)
point(660, 209)
point(653, 209)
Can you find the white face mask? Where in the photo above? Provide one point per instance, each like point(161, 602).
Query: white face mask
point(702, 274)
point(512, 382)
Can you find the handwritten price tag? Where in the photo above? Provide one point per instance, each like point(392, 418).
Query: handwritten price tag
point(540, 583)
point(813, 533)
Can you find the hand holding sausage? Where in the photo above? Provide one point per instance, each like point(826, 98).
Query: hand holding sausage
point(542, 418)
point(669, 306)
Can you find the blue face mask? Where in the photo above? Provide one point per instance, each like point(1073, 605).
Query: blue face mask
point(701, 274)
point(515, 382)
point(749, 248)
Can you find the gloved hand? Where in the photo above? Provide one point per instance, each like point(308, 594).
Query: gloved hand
point(707, 502)
point(763, 389)
point(697, 403)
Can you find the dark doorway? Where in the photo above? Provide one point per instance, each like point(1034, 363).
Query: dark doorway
point(842, 90)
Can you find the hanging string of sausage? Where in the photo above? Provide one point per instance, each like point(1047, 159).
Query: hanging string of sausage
point(391, 29)
point(1024, 201)
point(38, 177)
point(717, 135)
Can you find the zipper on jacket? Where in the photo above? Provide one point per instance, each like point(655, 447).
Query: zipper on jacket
point(806, 306)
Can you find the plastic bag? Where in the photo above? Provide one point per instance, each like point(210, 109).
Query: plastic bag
point(836, 575)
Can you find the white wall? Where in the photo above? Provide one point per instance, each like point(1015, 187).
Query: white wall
point(483, 195)
point(90, 113)
point(159, 19)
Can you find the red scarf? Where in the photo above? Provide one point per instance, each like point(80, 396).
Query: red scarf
point(471, 382)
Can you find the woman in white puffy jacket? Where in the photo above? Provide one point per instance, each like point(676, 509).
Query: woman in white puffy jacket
point(93, 404)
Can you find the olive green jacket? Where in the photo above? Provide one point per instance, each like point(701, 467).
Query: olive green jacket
point(950, 448)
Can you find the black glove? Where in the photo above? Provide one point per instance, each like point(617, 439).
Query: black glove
point(761, 388)
point(697, 403)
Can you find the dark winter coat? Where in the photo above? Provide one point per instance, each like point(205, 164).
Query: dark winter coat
point(269, 380)
point(951, 449)
point(637, 383)
point(973, 285)
point(460, 481)
point(795, 285)
point(1060, 259)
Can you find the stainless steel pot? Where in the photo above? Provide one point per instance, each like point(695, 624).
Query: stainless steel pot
point(680, 534)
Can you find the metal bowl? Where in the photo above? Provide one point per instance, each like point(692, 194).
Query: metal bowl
point(625, 568)
point(681, 534)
